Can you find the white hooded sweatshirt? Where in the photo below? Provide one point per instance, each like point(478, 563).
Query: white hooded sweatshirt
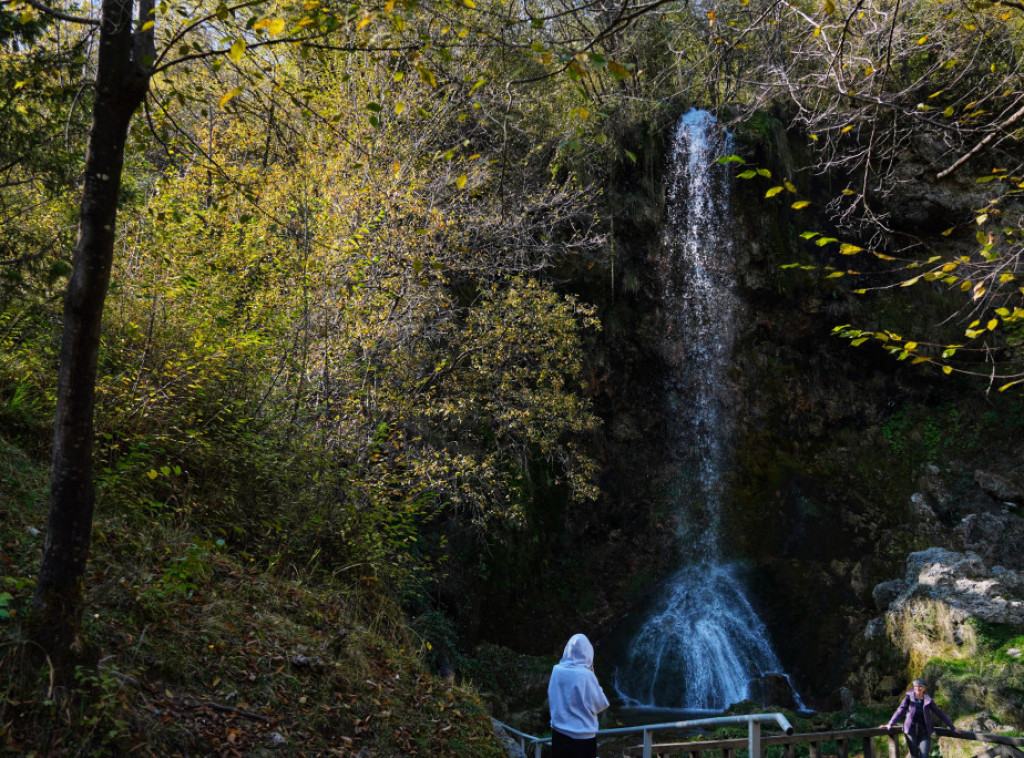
point(575, 696)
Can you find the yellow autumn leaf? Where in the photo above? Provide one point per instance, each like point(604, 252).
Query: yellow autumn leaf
point(847, 249)
point(228, 96)
point(800, 204)
point(947, 369)
point(236, 52)
point(461, 181)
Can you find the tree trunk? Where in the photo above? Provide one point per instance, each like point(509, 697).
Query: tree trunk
point(121, 84)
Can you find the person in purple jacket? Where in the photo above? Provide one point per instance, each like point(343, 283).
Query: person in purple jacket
point(916, 711)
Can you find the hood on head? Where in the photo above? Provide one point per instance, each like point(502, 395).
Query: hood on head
point(579, 651)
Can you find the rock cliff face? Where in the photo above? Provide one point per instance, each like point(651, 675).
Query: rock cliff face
point(843, 461)
point(847, 461)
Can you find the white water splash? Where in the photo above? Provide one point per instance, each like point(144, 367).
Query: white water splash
point(702, 643)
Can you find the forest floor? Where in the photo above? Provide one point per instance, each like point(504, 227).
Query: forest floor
point(189, 648)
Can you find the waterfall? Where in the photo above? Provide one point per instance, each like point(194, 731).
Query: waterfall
point(702, 643)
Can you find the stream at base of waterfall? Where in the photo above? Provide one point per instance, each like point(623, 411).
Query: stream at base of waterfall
point(701, 646)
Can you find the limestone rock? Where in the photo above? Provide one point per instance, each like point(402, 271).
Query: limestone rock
point(997, 537)
point(886, 592)
point(772, 689)
point(934, 487)
point(941, 591)
point(920, 509)
point(875, 629)
point(999, 487)
point(966, 585)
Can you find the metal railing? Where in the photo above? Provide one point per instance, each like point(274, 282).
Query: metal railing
point(840, 742)
point(752, 721)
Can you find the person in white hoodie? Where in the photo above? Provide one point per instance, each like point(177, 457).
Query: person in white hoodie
point(576, 698)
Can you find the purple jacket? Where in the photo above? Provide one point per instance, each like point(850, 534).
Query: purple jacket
point(909, 706)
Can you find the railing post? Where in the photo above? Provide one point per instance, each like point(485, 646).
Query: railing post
point(754, 739)
point(648, 743)
point(536, 750)
point(869, 747)
point(894, 745)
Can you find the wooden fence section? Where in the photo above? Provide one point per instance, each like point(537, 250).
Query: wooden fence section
point(847, 742)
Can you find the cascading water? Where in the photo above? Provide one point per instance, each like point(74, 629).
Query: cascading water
point(702, 643)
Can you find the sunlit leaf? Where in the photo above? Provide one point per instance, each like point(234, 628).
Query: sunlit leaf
point(236, 53)
point(227, 97)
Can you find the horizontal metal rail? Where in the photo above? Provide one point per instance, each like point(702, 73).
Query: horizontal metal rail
point(753, 722)
point(1004, 747)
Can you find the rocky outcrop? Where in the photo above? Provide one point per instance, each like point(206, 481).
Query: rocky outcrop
point(964, 584)
point(927, 612)
point(997, 537)
point(999, 487)
point(772, 690)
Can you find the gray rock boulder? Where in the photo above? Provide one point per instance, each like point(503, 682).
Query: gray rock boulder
point(965, 585)
point(997, 537)
point(999, 487)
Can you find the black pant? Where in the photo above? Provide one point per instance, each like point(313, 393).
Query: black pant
point(564, 746)
point(919, 742)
